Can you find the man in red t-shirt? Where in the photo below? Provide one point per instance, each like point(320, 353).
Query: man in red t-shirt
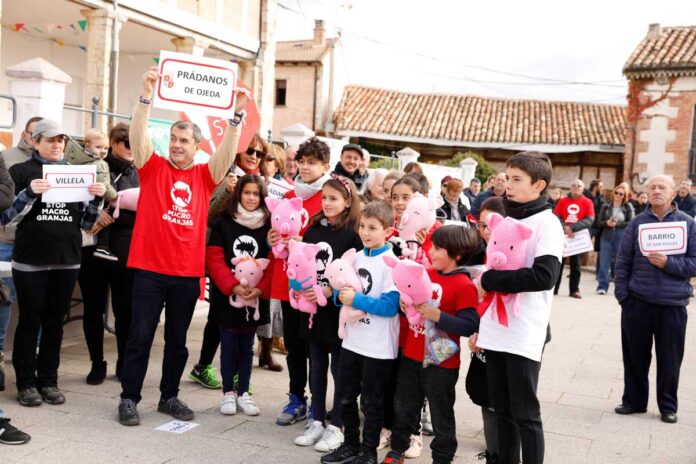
point(577, 213)
point(168, 248)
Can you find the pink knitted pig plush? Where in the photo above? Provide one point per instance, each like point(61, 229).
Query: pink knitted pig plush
point(414, 285)
point(302, 275)
point(287, 218)
point(419, 215)
point(506, 251)
point(127, 199)
point(340, 273)
point(248, 271)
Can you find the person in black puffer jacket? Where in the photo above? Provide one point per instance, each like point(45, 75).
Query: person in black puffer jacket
point(45, 265)
point(653, 290)
point(97, 275)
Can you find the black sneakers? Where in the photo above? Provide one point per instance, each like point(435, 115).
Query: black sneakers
point(97, 375)
point(176, 408)
point(29, 397)
point(343, 454)
point(10, 435)
point(366, 457)
point(52, 395)
point(128, 413)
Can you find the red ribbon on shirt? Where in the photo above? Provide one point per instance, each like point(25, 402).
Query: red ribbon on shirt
point(499, 306)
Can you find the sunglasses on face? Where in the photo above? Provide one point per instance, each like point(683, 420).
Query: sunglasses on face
point(619, 194)
point(126, 143)
point(258, 153)
point(270, 159)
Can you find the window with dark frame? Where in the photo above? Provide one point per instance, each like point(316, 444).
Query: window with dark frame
point(281, 87)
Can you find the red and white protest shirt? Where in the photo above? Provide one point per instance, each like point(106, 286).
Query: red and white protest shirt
point(572, 210)
point(169, 232)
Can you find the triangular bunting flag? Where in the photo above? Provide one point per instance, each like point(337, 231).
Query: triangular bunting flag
point(18, 27)
point(83, 24)
point(83, 48)
point(59, 42)
point(156, 60)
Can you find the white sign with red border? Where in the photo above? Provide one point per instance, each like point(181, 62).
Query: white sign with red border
point(668, 238)
point(196, 84)
point(580, 243)
point(278, 188)
point(68, 182)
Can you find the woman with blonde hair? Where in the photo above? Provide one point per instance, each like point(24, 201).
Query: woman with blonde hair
point(612, 219)
point(275, 161)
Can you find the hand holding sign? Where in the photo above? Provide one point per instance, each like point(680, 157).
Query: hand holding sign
point(97, 189)
point(39, 186)
point(657, 260)
point(149, 82)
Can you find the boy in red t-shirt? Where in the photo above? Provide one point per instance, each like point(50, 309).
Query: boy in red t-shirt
point(313, 158)
point(456, 315)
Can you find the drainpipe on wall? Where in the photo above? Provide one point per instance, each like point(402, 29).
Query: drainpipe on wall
point(332, 70)
point(314, 101)
point(113, 74)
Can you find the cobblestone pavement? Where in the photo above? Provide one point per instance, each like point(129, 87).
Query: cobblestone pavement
point(581, 383)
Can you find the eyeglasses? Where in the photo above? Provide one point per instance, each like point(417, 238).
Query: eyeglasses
point(126, 143)
point(481, 226)
point(619, 194)
point(576, 185)
point(270, 159)
point(258, 153)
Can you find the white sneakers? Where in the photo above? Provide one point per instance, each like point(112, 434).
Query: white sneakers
point(330, 440)
point(312, 434)
point(228, 404)
point(384, 439)
point(247, 405)
point(416, 447)
point(231, 402)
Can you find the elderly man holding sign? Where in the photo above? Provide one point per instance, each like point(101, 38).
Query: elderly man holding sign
point(168, 247)
point(656, 260)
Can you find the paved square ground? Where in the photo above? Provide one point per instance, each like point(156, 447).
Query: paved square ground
point(581, 383)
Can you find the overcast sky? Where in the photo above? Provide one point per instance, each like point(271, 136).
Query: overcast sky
point(440, 46)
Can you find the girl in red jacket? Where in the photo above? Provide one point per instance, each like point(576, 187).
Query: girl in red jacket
point(240, 231)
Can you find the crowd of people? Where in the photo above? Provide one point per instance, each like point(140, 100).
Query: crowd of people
point(197, 220)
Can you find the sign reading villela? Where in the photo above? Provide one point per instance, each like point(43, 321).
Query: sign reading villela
point(195, 83)
point(68, 183)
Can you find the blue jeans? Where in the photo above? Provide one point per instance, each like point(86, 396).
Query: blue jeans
point(236, 357)
point(609, 248)
point(6, 308)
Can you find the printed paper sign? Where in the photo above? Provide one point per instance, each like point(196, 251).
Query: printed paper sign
point(196, 84)
point(668, 238)
point(177, 427)
point(278, 188)
point(580, 243)
point(68, 183)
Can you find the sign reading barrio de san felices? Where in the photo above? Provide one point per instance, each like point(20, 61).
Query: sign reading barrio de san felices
point(668, 238)
point(196, 84)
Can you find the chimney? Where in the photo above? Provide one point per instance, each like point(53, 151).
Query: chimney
point(319, 33)
point(654, 31)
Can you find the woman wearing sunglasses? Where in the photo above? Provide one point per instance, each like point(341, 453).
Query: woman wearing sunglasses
point(275, 162)
point(613, 218)
point(250, 160)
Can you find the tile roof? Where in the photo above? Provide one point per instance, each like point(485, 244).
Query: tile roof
point(668, 51)
point(463, 118)
point(301, 51)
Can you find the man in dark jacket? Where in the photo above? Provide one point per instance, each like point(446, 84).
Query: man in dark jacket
point(653, 290)
point(473, 189)
point(497, 190)
point(348, 166)
point(685, 201)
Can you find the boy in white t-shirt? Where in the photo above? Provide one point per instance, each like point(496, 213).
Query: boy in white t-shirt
point(371, 344)
point(513, 353)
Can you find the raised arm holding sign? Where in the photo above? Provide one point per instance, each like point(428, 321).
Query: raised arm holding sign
point(184, 136)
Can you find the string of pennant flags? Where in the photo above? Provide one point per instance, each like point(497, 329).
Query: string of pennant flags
point(44, 31)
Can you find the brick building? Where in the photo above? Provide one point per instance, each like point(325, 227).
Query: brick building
point(583, 140)
point(309, 81)
point(661, 131)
